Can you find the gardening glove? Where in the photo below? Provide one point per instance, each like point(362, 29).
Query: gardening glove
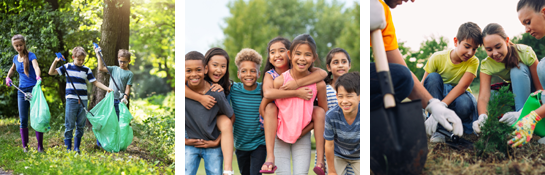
point(38, 78)
point(124, 101)
point(541, 140)
point(445, 116)
point(378, 19)
point(431, 125)
point(524, 129)
point(477, 124)
point(8, 81)
point(510, 118)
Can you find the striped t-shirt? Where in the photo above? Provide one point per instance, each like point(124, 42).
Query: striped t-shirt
point(345, 136)
point(79, 76)
point(331, 97)
point(246, 132)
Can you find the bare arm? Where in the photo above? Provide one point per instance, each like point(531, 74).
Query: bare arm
point(322, 102)
point(271, 92)
point(484, 93)
point(330, 156)
point(52, 70)
point(424, 77)
point(36, 68)
point(206, 100)
point(460, 88)
point(316, 75)
point(11, 70)
point(101, 66)
point(535, 78)
point(102, 86)
point(127, 92)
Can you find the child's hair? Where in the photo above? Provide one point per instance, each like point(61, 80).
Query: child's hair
point(350, 82)
point(124, 53)
point(470, 30)
point(224, 81)
point(511, 60)
point(268, 64)
point(195, 55)
point(304, 39)
point(25, 52)
point(536, 5)
point(329, 58)
point(247, 54)
point(78, 51)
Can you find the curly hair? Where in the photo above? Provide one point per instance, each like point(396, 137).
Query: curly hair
point(248, 54)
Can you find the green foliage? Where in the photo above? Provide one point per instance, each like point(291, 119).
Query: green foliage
point(537, 45)
point(495, 134)
point(349, 39)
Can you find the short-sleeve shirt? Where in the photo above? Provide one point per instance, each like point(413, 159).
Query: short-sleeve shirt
point(200, 123)
point(24, 80)
point(247, 134)
point(79, 76)
point(346, 137)
point(331, 97)
point(389, 33)
point(490, 67)
point(121, 77)
point(451, 73)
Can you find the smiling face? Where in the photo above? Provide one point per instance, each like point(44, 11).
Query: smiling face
point(302, 58)
point(339, 64)
point(534, 23)
point(194, 72)
point(465, 49)
point(217, 66)
point(78, 61)
point(496, 47)
point(278, 55)
point(248, 73)
point(347, 101)
point(18, 45)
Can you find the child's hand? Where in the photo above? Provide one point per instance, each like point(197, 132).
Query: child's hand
point(304, 93)
point(57, 59)
point(193, 142)
point(208, 101)
point(124, 101)
point(216, 88)
point(109, 90)
point(8, 81)
point(290, 85)
point(206, 144)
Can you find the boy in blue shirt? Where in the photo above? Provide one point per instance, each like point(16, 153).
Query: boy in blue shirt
point(74, 112)
point(342, 126)
point(245, 100)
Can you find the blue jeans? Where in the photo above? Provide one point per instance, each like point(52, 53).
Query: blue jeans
point(465, 105)
point(116, 106)
point(74, 117)
point(24, 106)
point(402, 81)
point(522, 84)
point(250, 162)
point(213, 160)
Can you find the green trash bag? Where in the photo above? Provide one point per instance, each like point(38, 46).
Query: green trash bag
point(105, 124)
point(39, 113)
point(531, 104)
point(125, 130)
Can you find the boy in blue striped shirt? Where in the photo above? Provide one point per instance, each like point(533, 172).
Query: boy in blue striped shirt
point(74, 112)
point(342, 126)
point(245, 100)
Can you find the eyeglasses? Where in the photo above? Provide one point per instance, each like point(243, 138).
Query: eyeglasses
point(123, 62)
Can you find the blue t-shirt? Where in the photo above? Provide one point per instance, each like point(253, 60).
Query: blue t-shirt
point(79, 76)
point(24, 80)
point(345, 136)
point(122, 78)
point(331, 97)
point(246, 131)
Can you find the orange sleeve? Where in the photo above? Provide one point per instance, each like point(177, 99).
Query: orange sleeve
point(388, 33)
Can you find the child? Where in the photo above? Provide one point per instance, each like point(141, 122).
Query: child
point(449, 74)
point(294, 113)
point(515, 64)
point(343, 149)
point(278, 63)
point(245, 99)
point(217, 64)
point(75, 113)
point(200, 122)
point(28, 76)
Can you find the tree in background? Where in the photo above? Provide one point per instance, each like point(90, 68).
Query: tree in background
point(349, 39)
point(537, 45)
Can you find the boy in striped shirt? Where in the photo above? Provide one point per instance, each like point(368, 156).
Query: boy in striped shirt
point(342, 126)
point(245, 100)
point(74, 112)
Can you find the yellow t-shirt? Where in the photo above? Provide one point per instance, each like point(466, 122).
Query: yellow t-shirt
point(490, 67)
point(451, 73)
point(388, 33)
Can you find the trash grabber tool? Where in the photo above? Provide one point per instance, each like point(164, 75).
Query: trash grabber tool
point(71, 82)
point(109, 73)
point(28, 96)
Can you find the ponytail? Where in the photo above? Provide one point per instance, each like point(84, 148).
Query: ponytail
point(328, 79)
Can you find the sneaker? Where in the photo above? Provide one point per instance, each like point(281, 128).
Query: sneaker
point(437, 138)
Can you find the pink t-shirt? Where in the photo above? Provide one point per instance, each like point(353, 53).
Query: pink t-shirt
point(294, 113)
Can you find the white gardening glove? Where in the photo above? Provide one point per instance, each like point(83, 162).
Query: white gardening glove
point(444, 115)
point(431, 125)
point(378, 19)
point(477, 124)
point(510, 118)
point(124, 101)
point(541, 140)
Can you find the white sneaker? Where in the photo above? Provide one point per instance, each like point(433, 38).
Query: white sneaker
point(437, 138)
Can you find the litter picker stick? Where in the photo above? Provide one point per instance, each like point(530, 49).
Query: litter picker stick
point(28, 96)
point(71, 82)
point(109, 73)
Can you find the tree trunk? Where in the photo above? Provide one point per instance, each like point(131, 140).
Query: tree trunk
point(115, 36)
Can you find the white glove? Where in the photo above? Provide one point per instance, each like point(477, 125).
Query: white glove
point(431, 125)
point(124, 101)
point(477, 124)
point(444, 115)
point(378, 19)
point(541, 140)
point(510, 118)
